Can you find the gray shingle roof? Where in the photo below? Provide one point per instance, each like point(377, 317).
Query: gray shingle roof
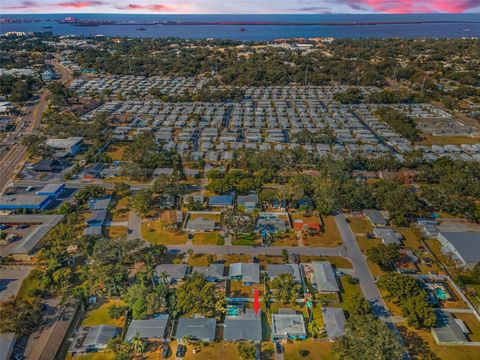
point(334, 320)
point(99, 335)
point(248, 326)
point(174, 271)
point(147, 329)
point(375, 217)
point(198, 328)
point(466, 243)
point(250, 272)
point(324, 276)
point(274, 270)
point(447, 330)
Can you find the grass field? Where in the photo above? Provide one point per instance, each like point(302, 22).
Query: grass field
point(153, 232)
point(116, 231)
point(98, 314)
point(209, 238)
point(246, 239)
point(287, 239)
point(316, 350)
point(30, 283)
point(199, 259)
point(234, 258)
point(348, 291)
point(360, 225)
point(472, 324)
point(121, 210)
point(337, 261)
point(103, 355)
point(446, 140)
point(212, 351)
point(330, 238)
point(420, 344)
point(116, 151)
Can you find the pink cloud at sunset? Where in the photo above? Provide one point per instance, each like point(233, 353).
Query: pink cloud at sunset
point(240, 6)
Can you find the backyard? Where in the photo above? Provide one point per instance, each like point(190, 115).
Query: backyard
point(330, 238)
point(155, 233)
point(98, 314)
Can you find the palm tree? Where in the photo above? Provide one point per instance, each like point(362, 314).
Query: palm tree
point(138, 345)
point(285, 255)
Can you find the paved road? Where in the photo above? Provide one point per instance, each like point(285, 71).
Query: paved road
point(255, 251)
point(367, 283)
point(78, 184)
point(13, 160)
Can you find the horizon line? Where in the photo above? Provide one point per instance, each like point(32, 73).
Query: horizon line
point(261, 13)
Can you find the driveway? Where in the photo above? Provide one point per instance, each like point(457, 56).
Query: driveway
point(134, 226)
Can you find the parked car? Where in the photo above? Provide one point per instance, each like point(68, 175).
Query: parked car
point(181, 350)
point(165, 351)
point(278, 348)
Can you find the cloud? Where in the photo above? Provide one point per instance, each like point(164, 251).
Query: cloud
point(22, 5)
point(78, 4)
point(149, 7)
point(411, 6)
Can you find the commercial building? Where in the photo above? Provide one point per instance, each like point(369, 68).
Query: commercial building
point(25, 202)
point(54, 190)
point(463, 246)
point(65, 147)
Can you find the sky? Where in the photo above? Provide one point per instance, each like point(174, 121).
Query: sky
point(239, 6)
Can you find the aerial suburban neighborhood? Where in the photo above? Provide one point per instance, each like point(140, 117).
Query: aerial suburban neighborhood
point(308, 198)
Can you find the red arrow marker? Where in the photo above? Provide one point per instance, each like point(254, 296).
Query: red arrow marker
point(256, 302)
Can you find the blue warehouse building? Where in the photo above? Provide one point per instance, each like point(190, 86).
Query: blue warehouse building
point(26, 202)
point(54, 190)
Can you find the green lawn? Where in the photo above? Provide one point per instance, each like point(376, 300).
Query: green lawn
point(154, 232)
point(316, 350)
point(30, 283)
point(209, 238)
point(98, 314)
point(360, 225)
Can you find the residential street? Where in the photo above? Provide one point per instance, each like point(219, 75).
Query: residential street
point(367, 283)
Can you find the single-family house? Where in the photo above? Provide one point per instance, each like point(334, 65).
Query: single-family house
point(247, 326)
point(154, 328)
point(196, 328)
point(288, 325)
point(249, 273)
point(172, 272)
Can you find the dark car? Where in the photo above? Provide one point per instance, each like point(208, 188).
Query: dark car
point(165, 352)
point(279, 348)
point(181, 350)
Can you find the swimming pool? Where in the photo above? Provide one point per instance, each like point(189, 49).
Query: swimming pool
point(232, 311)
point(440, 293)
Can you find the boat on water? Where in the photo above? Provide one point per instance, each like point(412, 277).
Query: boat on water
point(243, 29)
point(141, 29)
point(47, 27)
